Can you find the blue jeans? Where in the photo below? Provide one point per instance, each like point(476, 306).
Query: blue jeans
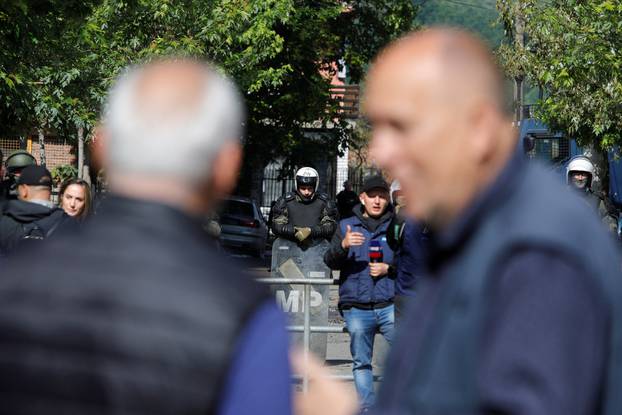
point(362, 326)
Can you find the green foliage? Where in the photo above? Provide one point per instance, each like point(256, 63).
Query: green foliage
point(573, 52)
point(36, 64)
point(478, 16)
point(60, 58)
point(368, 26)
point(64, 172)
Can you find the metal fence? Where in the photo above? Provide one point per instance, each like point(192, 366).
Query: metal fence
point(306, 329)
point(9, 145)
point(275, 184)
point(356, 176)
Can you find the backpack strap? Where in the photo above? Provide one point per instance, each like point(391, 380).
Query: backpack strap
point(30, 228)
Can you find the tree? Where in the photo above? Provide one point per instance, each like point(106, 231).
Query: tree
point(281, 53)
point(479, 16)
point(573, 52)
point(33, 52)
point(37, 67)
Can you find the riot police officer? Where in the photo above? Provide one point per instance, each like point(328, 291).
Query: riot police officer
point(15, 163)
point(580, 175)
point(304, 214)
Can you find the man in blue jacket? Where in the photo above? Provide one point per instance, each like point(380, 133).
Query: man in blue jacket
point(366, 289)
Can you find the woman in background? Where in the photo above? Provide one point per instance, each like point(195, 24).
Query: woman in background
point(75, 198)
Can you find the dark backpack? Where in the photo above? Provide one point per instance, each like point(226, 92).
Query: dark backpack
point(34, 230)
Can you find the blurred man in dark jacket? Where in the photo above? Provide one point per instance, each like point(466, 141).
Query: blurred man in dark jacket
point(136, 313)
point(32, 216)
point(521, 312)
point(346, 200)
point(516, 300)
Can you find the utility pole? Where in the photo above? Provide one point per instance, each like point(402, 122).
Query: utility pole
point(80, 151)
point(519, 43)
point(41, 148)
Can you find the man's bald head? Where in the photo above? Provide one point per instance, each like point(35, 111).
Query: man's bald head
point(460, 63)
point(435, 102)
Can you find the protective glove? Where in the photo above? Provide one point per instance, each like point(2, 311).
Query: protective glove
point(302, 233)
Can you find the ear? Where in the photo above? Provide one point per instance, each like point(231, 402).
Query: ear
point(22, 192)
point(225, 169)
point(362, 199)
point(484, 132)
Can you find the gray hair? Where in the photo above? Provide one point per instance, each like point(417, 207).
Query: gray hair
point(174, 146)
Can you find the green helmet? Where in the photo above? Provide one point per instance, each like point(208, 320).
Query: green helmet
point(18, 160)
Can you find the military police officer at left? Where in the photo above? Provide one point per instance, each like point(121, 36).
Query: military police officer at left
point(305, 215)
point(15, 163)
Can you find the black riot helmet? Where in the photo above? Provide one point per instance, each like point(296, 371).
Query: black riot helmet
point(15, 163)
point(18, 160)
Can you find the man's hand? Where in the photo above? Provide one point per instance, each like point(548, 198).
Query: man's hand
point(302, 233)
point(352, 238)
point(378, 269)
point(326, 396)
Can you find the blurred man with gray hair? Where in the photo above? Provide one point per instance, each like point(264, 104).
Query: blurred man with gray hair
point(136, 313)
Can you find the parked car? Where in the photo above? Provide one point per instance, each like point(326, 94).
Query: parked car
point(243, 226)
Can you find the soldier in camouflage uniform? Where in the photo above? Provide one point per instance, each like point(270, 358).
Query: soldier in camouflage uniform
point(15, 163)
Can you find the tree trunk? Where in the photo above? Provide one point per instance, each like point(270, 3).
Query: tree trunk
point(80, 152)
point(601, 163)
point(41, 148)
point(519, 42)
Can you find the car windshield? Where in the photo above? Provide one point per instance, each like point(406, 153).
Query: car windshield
point(237, 208)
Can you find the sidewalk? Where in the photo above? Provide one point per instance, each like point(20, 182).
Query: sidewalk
point(338, 358)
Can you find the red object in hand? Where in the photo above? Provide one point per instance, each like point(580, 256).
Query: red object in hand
point(375, 252)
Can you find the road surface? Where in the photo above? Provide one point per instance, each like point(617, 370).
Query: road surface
point(338, 357)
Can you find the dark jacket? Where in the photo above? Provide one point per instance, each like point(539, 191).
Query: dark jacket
point(135, 313)
point(601, 204)
point(409, 241)
point(346, 200)
point(291, 211)
point(356, 286)
point(524, 292)
point(28, 220)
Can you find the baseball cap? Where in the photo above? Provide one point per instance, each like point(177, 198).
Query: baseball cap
point(35, 176)
point(375, 182)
